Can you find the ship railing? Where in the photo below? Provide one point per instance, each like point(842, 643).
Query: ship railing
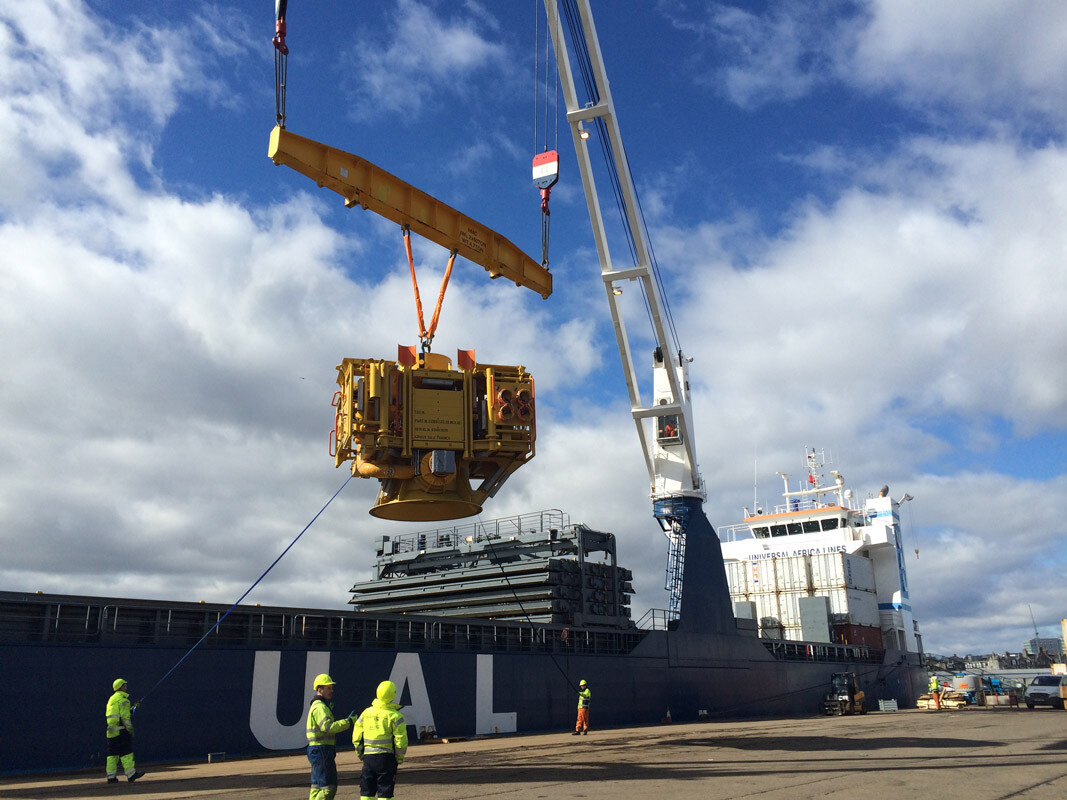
point(817, 651)
point(801, 504)
point(532, 522)
point(658, 619)
point(733, 533)
point(89, 622)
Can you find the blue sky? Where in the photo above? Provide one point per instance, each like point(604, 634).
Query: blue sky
point(858, 209)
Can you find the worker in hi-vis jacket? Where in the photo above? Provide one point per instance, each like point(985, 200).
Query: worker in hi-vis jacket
point(322, 730)
point(380, 736)
point(120, 734)
point(935, 692)
point(584, 698)
point(381, 739)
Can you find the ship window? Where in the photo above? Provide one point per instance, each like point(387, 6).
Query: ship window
point(794, 528)
point(811, 526)
point(761, 533)
point(829, 524)
point(777, 530)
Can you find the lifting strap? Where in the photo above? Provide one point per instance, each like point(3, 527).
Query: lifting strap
point(426, 334)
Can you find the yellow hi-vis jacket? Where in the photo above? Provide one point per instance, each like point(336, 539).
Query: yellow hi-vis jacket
point(322, 728)
point(584, 698)
point(118, 715)
point(933, 684)
point(383, 730)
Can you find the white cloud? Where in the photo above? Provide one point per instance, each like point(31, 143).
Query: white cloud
point(981, 55)
point(780, 55)
point(935, 290)
point(984, 58)
point(422, 56)
point(65, 75)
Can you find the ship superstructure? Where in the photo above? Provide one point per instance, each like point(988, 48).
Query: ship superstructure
point(818, 544)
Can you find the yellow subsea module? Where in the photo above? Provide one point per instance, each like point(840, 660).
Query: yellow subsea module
point(426, 430)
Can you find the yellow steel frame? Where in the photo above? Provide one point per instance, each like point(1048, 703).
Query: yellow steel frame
point(363, 184)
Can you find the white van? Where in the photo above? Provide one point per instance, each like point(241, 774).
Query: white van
point(1046, 690)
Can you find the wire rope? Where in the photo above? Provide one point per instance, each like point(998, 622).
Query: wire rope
point(242, 597)
point(522, 608)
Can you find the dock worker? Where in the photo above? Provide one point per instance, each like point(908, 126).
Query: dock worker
point(584, 699)
point(120, 734)
point(381, 739)
point(935, 692)
point(322, 730)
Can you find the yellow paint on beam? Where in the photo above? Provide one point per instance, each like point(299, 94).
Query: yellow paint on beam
point(370, 187)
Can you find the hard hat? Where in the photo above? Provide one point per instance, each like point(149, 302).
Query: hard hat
point(386, 691)
point(118, 683)
point(581, 683)
point(322, 679)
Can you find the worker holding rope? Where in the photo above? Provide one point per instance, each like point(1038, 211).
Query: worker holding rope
point(322, 730)
point(120, 734)
point(585, 698)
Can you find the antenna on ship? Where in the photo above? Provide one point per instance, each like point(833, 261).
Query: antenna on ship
point(755, 481)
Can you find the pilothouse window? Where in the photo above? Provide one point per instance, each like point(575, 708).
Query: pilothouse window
point(777, 530)
point(829, 524)
point(794, 528)
point(761, 533)
point(811, 526)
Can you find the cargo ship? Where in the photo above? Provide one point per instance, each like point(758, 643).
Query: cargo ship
point(523, 608)
point(820, 551)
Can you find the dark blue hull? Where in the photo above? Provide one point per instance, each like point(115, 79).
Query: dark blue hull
point(247, 700)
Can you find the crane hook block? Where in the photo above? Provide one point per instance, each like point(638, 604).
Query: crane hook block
point(426, 431)
point(365, 185)
point(546, 169)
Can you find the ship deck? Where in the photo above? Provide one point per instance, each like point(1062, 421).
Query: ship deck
point(976, 754)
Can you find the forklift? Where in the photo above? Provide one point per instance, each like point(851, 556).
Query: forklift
point(844, 696)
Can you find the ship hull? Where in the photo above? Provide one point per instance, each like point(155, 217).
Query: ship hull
point(250, 699)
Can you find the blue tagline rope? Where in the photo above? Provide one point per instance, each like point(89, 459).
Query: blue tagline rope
point(242, 597)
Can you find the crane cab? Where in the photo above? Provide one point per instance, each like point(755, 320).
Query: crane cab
point(426, 430)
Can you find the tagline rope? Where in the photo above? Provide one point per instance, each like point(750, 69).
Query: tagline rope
point(242, 597)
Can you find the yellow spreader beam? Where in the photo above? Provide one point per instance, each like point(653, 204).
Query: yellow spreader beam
point(370, 187)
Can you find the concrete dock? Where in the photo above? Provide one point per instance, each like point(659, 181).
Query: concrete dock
point(971, 755)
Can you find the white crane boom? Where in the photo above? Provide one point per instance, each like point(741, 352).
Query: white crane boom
point(664, 428)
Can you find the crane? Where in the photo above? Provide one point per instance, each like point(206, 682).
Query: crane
point(665, 425)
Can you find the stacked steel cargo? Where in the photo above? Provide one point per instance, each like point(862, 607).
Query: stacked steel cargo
point(517, 568)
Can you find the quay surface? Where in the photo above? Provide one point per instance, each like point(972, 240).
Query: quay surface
point(979, 754)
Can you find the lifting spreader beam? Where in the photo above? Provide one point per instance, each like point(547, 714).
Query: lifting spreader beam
point(370, 187)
